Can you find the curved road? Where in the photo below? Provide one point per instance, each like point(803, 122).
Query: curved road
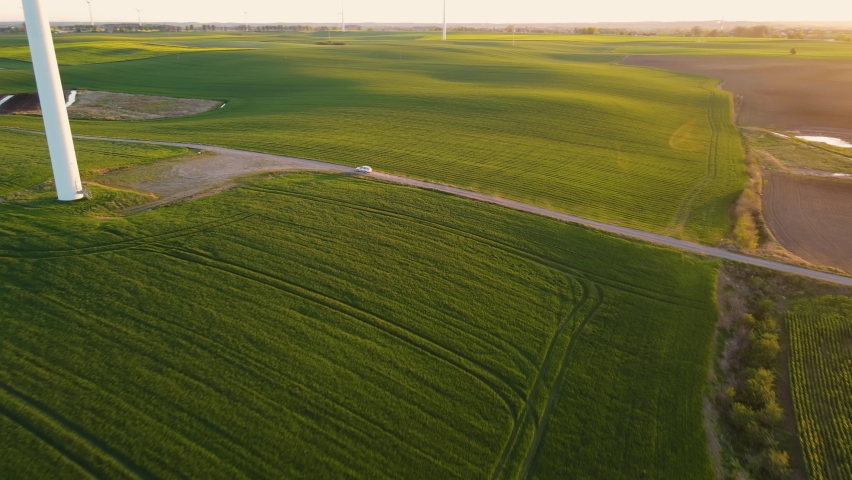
point(279, 162)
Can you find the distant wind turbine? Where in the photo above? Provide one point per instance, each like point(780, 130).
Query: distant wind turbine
point(91, 17)
point(246, 21)
point(342, 19)
point(444, 36)
point(139, 12)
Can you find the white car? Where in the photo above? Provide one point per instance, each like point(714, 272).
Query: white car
point(364, 169)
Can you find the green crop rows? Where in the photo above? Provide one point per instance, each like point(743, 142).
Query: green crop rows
point(553, 123)
point(326, 326)
point(102, 51)
point(821, 375)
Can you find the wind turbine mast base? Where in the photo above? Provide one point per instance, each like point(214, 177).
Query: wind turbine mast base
point(57, 128)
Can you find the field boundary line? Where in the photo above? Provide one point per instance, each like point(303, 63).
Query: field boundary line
point(655, 238)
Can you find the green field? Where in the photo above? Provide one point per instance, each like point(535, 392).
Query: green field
point(552, 123)
point(328, 326)
point(102, 51)
point(821, 375)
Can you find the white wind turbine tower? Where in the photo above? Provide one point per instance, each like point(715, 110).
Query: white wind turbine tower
point(444, 36)
point(342, 19)
point(91, 17)
point(66, 174)
point(139, 12)
point(246, 21)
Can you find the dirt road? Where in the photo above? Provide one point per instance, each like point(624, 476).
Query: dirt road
point(266, 162)
point(219, 168)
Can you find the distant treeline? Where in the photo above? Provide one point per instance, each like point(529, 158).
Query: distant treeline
point(764, 31)
point(758, 31)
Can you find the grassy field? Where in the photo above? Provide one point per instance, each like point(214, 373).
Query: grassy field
point(792, 153)
point(102, 51)
point(821, 376)
point(327, 326)
point(553, 123)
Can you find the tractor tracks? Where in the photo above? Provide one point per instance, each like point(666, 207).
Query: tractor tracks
point(137, 242)
point(537, 389)
point(710, 176)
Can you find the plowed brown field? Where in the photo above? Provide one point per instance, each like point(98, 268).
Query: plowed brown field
point(811, 217)
point(791, 94)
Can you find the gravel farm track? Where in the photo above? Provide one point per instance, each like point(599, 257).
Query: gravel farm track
point(811, 217)
point(197, 178)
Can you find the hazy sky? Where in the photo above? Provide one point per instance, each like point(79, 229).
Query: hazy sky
point(466, 11)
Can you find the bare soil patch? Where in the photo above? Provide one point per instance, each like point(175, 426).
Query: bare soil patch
point(811, 217)
point(92, 105)
point(790, 94)
point(214, 170)
point(123, 106)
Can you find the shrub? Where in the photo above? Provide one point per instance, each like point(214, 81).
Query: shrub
point(742, 415)
point(776, 465)
point(746, 232)
point(771, 415)
point(759, 388)
point(764, 350)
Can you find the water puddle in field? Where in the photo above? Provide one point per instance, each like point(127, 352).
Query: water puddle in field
point(835, 142)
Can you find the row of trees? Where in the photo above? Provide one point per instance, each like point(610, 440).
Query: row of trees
point(748, 402)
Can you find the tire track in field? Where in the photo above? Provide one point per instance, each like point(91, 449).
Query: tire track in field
point(519, 416)
point(508, 248)
point(51, 417)
point(235, 357)
point(438, 351)
point(90, 385)
point(53, 445)
point(685, 208)
point(528, 406)
point(542, 427)
point(541, 423)
point(126, 244)
point(121, 339)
